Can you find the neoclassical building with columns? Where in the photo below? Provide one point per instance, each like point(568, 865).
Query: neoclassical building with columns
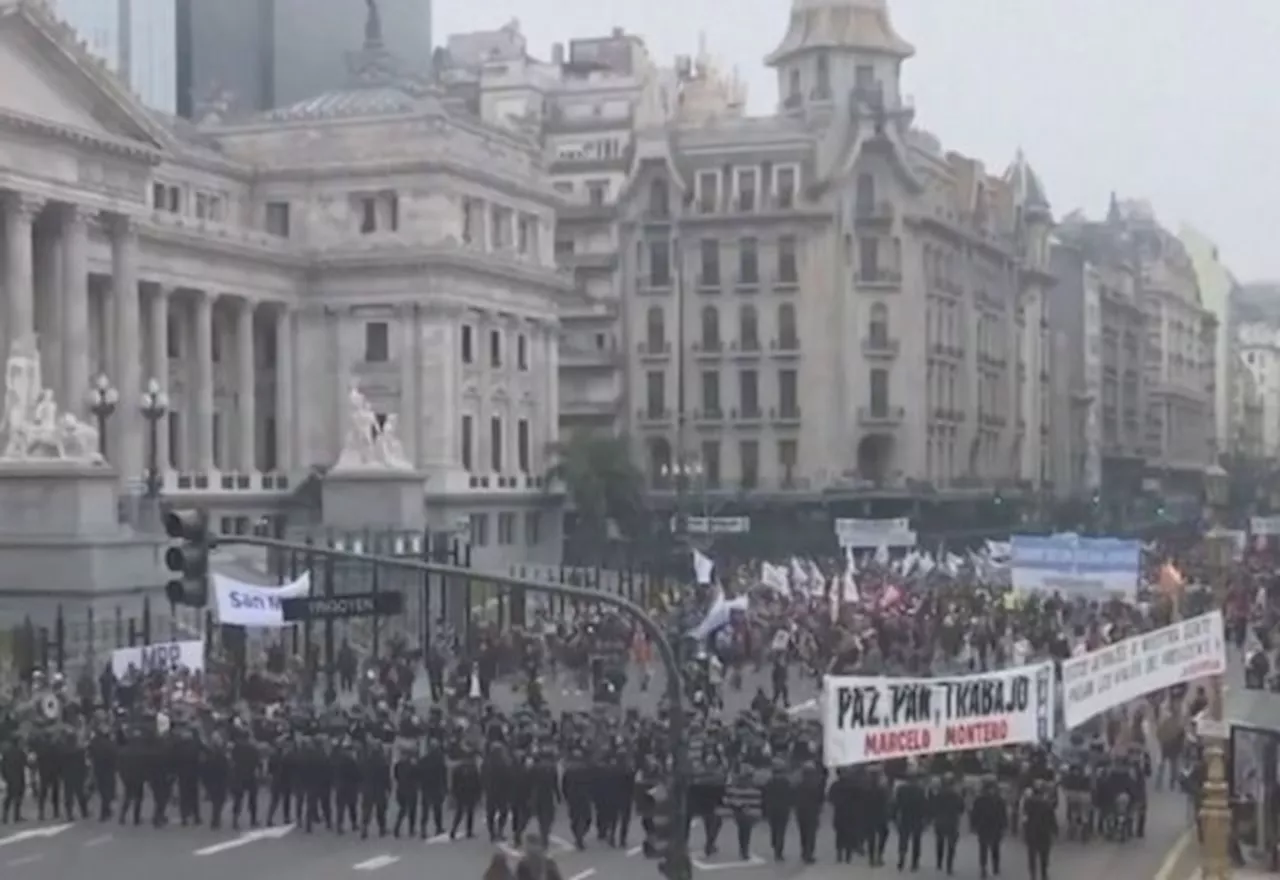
point(255, 268)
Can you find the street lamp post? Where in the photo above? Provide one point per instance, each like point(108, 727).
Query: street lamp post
point(682, 471)
point(155, 403)
point(103, 399)
point(1215, 805)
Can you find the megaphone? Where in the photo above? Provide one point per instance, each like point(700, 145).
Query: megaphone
point(50, 706)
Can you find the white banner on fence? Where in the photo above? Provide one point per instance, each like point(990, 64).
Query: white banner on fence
point(1134, 667)
point(242, 604)
point(1264, 525)
point(878, 719)
point(165, 655)
point(871, 534)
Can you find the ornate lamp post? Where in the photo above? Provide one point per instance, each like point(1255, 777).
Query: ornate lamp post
point(103, 399)
point(1215, 806)
point(155, 403)
point(682, 470)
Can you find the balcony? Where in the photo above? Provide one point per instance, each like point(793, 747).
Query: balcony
point(660, 283)
point(708, 350)
point(786, 347)
point(880, 346)
point(745, 349)
point(653, 416)
point(747, 282)
point(787, 279)
point(589, 359)
point(651, 351)
point(874, 212)
point(880, 416)
point(880, 279)
point(750, 415)
point(991, 420)
point(710, 416)
point(709, 282)
point(589, 408)
point(785, 416)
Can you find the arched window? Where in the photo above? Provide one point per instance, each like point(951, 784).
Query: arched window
point(793, 89)
point(655, 330)
point(659, 460)
point(823, 88)
point(748, 328)
point(865, 195)
point(659, 198)
point(788, 338)
point(878, 325)
point(710, 328)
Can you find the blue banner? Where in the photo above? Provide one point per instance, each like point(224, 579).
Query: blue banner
point(1076, 567)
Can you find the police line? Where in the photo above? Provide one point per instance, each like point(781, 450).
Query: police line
point(164, 655)
point(1134, 667)
point(241, 604)
point(867, 719)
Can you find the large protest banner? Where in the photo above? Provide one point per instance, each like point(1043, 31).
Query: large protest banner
point(241, 604)
point(1078, 568)
point(164, 655)
point(1134, 667)
point(869, 719)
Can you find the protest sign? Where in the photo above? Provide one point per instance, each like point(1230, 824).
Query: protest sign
point(1076, 567)
point(241, 604)
point(1134, 667)
point(165, 655)
point(869, 719)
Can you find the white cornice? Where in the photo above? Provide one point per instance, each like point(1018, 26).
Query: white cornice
point(116, 146)
point(428, 258)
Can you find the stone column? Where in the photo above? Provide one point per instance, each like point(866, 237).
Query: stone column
point(127, 421)
point(158, 361)
point(246, 394)
point(284, 390)
point(19, 213)
point(75, 310)
point(408, 356)
point(201, 407)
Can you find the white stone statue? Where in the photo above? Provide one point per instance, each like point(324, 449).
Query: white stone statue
point(366, 446)
point(31, 427)
point(390, 449)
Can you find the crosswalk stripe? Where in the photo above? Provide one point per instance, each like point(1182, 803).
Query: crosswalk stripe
point(376, 863)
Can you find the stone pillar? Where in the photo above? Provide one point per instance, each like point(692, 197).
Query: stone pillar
point(127, 450)
point(408, 355)
point(75, 310)
point(19, 213)
point(284, 390)
point(246, 394)
point(158, 362)
point(201, 407)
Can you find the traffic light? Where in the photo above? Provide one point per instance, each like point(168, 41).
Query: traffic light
point(673, 863)
point(189, 560)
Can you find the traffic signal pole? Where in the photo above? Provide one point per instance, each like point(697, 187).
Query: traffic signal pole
point(678, 860)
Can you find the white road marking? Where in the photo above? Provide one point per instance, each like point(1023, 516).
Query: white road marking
point(583, 875)
point(35, 834)
point(99, 840)
point(802, 707)
point(245, 838)
point(25, 860)
point(376, 863)
point(439, 838)
point(561, 842)
point(752, 862)
point(634, 851)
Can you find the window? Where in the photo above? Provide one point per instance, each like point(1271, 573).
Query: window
point(655, 394)
point(748, 262)
point(522, 445)
point(479, 529)
point(495, 444)
point(749, 392)
point(660, 264)
point(468, 441)
point(659, 198)
point(499, 228)
point(495, 348)
point(277, 219)
point(749, 463)
point(522, 353)
point(709, 274)
point(216, 451)
point(822, 90)
point(864, 199)
point(746, 189)
point(748, 329)
point(878, 325)
point(173, 342)
point(532, 528)
point(468, 356)
point(711, 392)
point(471, 212)
point(368, 215)
point(788, 339)
point(708, 192)
point(597, 192)
point(785, 187)
point(376, 343)
point(506, 528)
point(710, 329)
point(524, 234)
point(655, 330)
point(879, 381)
point(864, 76)
point(787, 260)
point(793, 87)
point(868, 258)
point(711, 464)
point(788, 393)
point(788, 453)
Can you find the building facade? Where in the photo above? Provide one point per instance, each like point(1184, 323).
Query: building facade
point(1217, 285)
point(137, 39)
point(1258, 349)
point(377, 234)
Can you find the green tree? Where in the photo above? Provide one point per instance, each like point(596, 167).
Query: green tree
point(603, 484)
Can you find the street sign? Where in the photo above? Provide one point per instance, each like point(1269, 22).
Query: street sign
point(380, 604)
point(714, 525)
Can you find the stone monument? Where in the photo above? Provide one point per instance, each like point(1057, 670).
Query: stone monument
point(61, 540)
point(373, 484)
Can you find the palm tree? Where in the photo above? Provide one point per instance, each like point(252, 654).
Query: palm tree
point(603, 483)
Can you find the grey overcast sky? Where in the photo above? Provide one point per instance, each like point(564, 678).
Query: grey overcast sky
point(1174, 101)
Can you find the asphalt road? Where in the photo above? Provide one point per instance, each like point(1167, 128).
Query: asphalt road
point(62, 851)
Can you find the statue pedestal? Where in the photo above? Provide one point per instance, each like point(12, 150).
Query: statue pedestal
point(48, 498)
point(373, 498)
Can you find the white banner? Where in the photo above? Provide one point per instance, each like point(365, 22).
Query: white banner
point(241, 604)
point(871, 534)
point(1264, 525)
point(165, 655)
point(878, 719)
point(1108, 677)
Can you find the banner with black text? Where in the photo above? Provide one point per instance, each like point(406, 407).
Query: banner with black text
point(868, 719)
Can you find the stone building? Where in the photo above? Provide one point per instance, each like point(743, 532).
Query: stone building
point(819, 306)
point(379, 234)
